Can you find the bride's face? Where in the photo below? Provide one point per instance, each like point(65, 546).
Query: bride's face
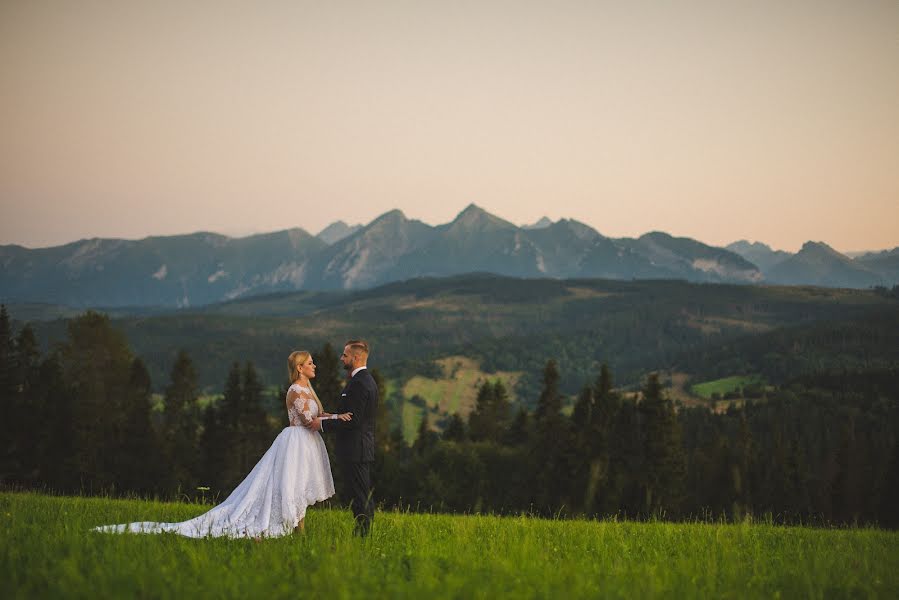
point(308, 368)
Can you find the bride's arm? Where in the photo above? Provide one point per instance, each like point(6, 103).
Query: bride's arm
point(306, 414)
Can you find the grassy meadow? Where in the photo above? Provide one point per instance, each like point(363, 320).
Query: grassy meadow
point(48, 550)
point(725, 385)
point(455, 392)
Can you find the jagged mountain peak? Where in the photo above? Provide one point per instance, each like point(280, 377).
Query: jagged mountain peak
point(656, 236)
point(812, 246)
point(477, 219)
point(337, 231)
point(820, 251)
point(574, 227)
point(543, 223)
point(391, 216)
point(746, 245)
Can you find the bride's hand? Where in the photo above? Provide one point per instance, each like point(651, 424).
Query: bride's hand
point(348, 416)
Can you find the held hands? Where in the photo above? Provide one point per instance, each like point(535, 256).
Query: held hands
point(316, 423)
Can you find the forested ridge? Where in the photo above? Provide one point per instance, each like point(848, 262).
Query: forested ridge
point(820, 447)
point(633, 326)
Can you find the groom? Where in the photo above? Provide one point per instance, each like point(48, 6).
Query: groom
point(356, 438)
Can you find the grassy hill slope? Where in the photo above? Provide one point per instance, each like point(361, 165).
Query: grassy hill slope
point(47, 550)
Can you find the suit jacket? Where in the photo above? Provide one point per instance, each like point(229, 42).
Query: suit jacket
point(356, 438)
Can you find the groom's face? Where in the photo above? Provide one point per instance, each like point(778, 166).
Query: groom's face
point(347, 358)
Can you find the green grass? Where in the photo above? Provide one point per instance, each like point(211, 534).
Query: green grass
point(411, 419)
point(47, 550)
point(727, 384)
point(455, 392)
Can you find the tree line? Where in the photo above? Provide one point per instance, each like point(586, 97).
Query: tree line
point(821, 449)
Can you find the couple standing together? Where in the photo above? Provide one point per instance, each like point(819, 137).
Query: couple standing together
point(295, 471)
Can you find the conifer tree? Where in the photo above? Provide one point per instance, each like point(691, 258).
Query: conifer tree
point(29, 409)
point(7, 364)
point(582, 415)
point(554, 448)
point(254, 435)
point(56, 436)
point(582, 457)
point(96, 364)
point(455, 429)
point(223, 451)
point(501, 408)
point(426, 438)
point(481, 420)
point(140, 454)
point(606, 405)
point(181, 424)
point(549, 405)
point(382, 417)
point(8, 425)
point(329, 380)
point(518, 433)
point(215, 450)
point(665, 461)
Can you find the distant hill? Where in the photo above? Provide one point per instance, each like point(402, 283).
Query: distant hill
point(180, 271)
point(819, 264)
point(759, 254)
point(204, 268)
point(505, 324)
point(886, 263)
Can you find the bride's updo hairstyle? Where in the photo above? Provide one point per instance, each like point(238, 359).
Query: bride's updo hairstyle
point(297, 358)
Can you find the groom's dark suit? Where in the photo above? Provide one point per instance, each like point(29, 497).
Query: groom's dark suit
point(356, 445)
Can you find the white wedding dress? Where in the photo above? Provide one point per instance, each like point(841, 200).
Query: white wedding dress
point(293, 474)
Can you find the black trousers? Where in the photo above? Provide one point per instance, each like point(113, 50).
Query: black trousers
point(357, 491)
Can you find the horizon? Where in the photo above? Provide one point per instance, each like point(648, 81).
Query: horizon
point(238, 235)
point(766, 122)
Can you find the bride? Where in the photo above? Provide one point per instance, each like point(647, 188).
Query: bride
point(293, 474)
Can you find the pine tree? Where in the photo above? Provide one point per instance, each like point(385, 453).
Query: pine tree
point(480, 421)
point(501, 408)
point(426, 438)
point(549, 405)
point(742, 471)
point(455, 429)
point(519, 431)
point(328, 378)
point(382, 417)
point(223, 441)
point(554, 448)
point(140, 454)
point(582, 457)
point(8, 425)
point(181, 421)
point(29, 408)
point(215, 450)
point(96, 364)
point(582, 415)
point(56, 441)
point(7, 362)
point(254, 435)
point(606, 405)
point(665, 461)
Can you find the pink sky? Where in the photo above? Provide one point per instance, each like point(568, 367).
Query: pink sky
point(770, 121)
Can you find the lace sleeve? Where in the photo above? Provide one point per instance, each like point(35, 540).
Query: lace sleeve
point(300, 406)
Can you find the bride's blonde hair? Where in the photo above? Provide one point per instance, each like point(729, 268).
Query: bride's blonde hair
point(297, 358)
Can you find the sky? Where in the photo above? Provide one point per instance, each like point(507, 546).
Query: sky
point(772, 121)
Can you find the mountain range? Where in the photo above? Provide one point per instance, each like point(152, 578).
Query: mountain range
point(203, 268)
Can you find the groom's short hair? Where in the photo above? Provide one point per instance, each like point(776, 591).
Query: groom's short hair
point(358, 346)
